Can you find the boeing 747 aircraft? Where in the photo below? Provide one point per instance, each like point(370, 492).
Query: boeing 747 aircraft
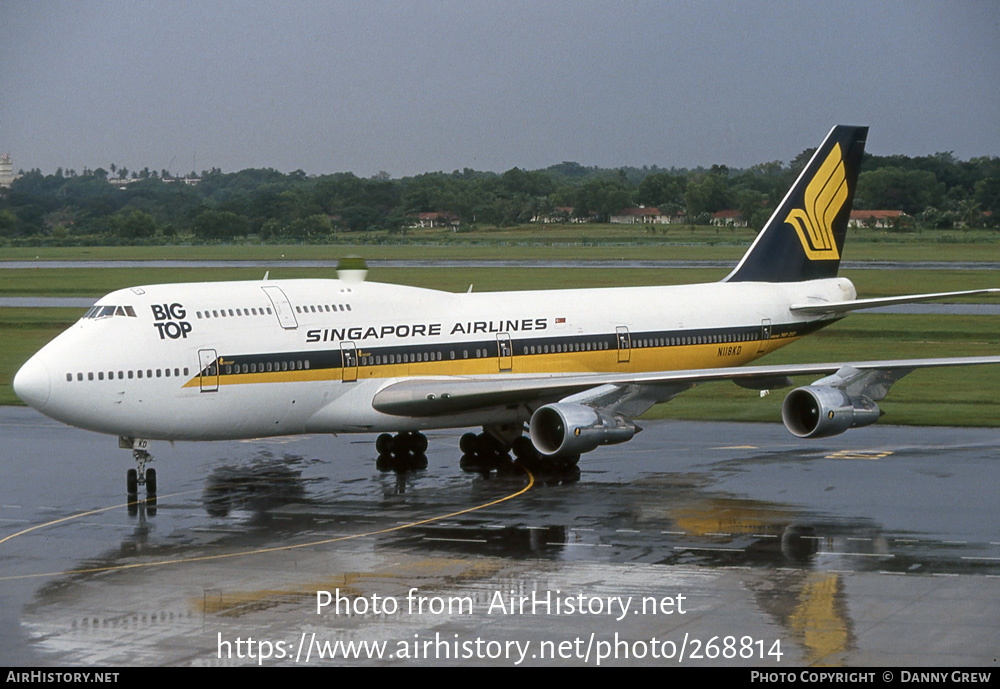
point(547, 374)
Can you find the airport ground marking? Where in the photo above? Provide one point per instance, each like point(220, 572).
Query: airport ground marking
point(81, 515)
point(245, 553)
point(859, 454)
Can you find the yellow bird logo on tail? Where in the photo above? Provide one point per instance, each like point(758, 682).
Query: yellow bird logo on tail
point(824, 197)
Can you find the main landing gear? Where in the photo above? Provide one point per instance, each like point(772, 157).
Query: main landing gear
point(401, 452)
point(487, 451)
point(492, 449)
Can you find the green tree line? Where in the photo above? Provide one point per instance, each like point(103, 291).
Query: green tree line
point(96, 206)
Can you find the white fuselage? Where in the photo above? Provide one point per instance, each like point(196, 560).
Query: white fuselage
point(248, 359)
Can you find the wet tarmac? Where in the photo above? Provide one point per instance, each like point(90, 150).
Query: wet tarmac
point(695, 543)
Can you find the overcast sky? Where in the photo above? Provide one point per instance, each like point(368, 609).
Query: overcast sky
point(414, 86)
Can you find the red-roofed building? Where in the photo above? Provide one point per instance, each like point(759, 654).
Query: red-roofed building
point(728, 219)
point(877, 219)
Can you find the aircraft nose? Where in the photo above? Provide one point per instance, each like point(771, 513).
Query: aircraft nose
point(32, 384)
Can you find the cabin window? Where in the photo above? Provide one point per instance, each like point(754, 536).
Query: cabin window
point(69, 377)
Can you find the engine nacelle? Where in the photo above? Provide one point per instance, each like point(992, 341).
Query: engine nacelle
point(818, 411)
point(561, 430)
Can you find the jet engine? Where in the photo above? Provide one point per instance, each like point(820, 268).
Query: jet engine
point(561, 430)
point(818, 411)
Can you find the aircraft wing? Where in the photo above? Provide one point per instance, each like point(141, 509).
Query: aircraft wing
point(428, 397)
point(856, 304)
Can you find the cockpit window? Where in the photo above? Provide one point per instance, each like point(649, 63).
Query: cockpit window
point(105, 311)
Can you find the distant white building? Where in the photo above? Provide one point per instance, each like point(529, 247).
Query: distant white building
point(632, 216)
point(6, 170)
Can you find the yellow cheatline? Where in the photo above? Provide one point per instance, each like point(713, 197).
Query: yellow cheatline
point(642, 360)
point(246, 553)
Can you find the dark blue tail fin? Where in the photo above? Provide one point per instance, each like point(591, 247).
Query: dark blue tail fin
point(804, 238)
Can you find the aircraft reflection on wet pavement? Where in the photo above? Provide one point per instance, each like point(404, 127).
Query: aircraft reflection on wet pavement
point(799, 540)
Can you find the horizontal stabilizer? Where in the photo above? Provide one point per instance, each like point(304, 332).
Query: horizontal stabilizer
point(857, 304)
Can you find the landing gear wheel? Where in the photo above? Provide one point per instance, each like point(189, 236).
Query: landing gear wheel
point(419, 443)
point(150, 482)
point(132, 481)
point(523, 449)
point(383, 444)
point(468, 443)
point(568, 461)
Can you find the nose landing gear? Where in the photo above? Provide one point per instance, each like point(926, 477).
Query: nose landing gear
point(140, 476)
